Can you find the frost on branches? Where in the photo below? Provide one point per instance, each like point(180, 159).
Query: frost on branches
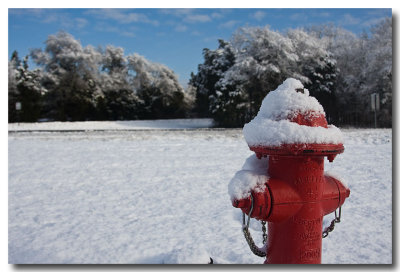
point(88, 83)
point(236, 77)
point(24, 87)
point(338, 68)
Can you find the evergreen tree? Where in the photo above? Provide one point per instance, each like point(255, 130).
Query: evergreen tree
point(213, 98)
point(161, 96)
point(24, 88)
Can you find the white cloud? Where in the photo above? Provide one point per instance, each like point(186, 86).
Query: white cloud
point(229, 24)
point(298, 16)
point(80, 22)
point(217, 15)
point(177, 11)
point(125, 31)
point(63, 19)
point(180, 28)
point(196, 33)
point(259, 15)
point(349, 20)
point(128, 34)
point(51, 18)
point(122, 17)
point(190, 15)
point(211, 39)
point(372, 22)
point(197, 18)
point(323, 14)
point(36, 12)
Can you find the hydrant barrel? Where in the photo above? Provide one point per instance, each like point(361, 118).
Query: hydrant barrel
point(297, 238)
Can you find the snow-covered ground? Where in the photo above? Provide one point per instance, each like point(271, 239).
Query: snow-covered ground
point(113, 125)
point(161, 196)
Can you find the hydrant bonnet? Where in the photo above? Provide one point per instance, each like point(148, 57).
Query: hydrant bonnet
point(292, 122)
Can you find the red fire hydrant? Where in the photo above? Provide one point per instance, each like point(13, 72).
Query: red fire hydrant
point(297, 194)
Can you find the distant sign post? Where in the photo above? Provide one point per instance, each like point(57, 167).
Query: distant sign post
point(375, 105)
point(18, 108)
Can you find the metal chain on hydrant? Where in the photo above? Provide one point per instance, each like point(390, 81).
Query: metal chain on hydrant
point(331, 227)
point(245, 227)
point(261, 252)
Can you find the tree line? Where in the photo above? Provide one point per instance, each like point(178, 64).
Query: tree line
point(340, 69)
point(75, 83)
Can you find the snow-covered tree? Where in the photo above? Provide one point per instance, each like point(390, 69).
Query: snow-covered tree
point(95, 83)
point(13, 94)
point(339, 68)
point(378, 68)
point(13, 65)
point(71, 71)
point(264, 59)
point(365, 66)
point(348, 50)
point(236, 77)
point(212, 98)
point(24, 88)
point(189, 99)
point(158, 89)
point(118, 99)
point(228, 103)
point(316, 68)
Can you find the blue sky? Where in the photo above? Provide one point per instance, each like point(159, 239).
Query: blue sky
point(174, 37)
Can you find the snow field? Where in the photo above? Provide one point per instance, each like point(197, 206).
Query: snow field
point(162, 197)
point(114, 125)
point(366, 167)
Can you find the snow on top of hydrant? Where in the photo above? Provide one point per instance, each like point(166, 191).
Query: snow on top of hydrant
point(286, 101)
point(252, 176)
point(271, 126)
